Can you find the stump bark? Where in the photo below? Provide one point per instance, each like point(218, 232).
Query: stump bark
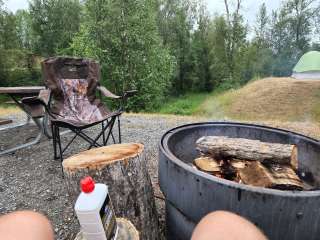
point(126, 231)
point(246, 149)
point(123, 168)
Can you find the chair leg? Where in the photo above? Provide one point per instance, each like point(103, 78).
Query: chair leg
point(108, 126)
point(119, 129)
point(59, 144)
point(54, 141)
point(113, 139)
point(110, 129)
point(104, 135)
point(60, 148)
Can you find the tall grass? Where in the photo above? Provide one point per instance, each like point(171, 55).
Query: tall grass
point(187, 104)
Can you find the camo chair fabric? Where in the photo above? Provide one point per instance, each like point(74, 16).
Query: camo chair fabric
point(73, 84)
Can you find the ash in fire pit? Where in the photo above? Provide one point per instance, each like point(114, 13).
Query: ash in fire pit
point(251, 162)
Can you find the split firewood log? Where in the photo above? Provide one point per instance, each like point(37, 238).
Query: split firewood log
point(250, 150)
point(208, 165)
point(274, 176)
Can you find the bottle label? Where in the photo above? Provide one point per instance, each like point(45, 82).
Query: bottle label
point(108, 219)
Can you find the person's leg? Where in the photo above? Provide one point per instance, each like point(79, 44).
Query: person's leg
point(25, 225)
point(226, 226)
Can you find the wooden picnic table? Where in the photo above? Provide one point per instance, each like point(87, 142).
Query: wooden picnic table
point(34, 90)
point(41, 122)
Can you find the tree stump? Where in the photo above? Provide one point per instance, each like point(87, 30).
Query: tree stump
point(123, 168)
point(126, 231)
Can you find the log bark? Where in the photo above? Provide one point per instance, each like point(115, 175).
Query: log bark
point(273, 176)
point(126, 231)
point(123, 168)
point(250, 150)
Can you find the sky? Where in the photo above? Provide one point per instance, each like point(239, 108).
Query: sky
point(249, 10)
point(250, 7)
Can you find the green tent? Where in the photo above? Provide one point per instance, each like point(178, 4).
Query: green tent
point(308, 66)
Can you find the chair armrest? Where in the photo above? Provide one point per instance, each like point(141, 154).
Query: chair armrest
point(45, 95)
point(34, 103)
point(33, 106)
point(129, 93)
point(43, 98)
point(107, 93)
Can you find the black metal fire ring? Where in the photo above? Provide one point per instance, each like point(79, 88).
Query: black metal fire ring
point(165, 150)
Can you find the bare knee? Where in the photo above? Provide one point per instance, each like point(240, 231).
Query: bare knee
point(226, 226)
point(25, 225)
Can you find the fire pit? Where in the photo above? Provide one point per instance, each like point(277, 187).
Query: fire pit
point(191, 194)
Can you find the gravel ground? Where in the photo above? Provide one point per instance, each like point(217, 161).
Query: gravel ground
point(31, 179)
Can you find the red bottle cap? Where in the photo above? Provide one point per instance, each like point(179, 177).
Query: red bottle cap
point(87, 184)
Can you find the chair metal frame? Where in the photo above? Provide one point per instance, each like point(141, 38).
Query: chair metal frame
point(106, 124)
point(56, 135)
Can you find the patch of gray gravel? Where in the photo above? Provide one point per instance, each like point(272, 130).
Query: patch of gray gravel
point(31, 179)
point(18, 118)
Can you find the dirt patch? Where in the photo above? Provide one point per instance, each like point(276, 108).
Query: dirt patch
point(284, 99)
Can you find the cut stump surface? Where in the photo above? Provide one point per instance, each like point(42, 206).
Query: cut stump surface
point(122, 167)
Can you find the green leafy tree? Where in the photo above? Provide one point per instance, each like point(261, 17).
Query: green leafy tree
point(301, 16)
point(8, 44)
point(202, 80)
point(54, 24)
point(24, 29)
point(8, 33)
point(235, 40)
point(291, 29)
point(217, 34)
point(259, 54)
point(261, 27)
point(176, 21)
point(123, 35)
point(282, 44)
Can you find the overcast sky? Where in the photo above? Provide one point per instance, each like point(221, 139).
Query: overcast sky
point(249, 10)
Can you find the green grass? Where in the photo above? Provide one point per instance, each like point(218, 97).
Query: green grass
point(3, 100)
point(184, 105)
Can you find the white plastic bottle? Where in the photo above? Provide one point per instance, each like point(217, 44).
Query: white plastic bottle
point(95, 212)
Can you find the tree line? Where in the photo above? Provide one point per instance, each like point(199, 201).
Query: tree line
point(160, 47)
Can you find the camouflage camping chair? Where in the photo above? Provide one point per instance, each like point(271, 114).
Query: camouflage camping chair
point(73, 104)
